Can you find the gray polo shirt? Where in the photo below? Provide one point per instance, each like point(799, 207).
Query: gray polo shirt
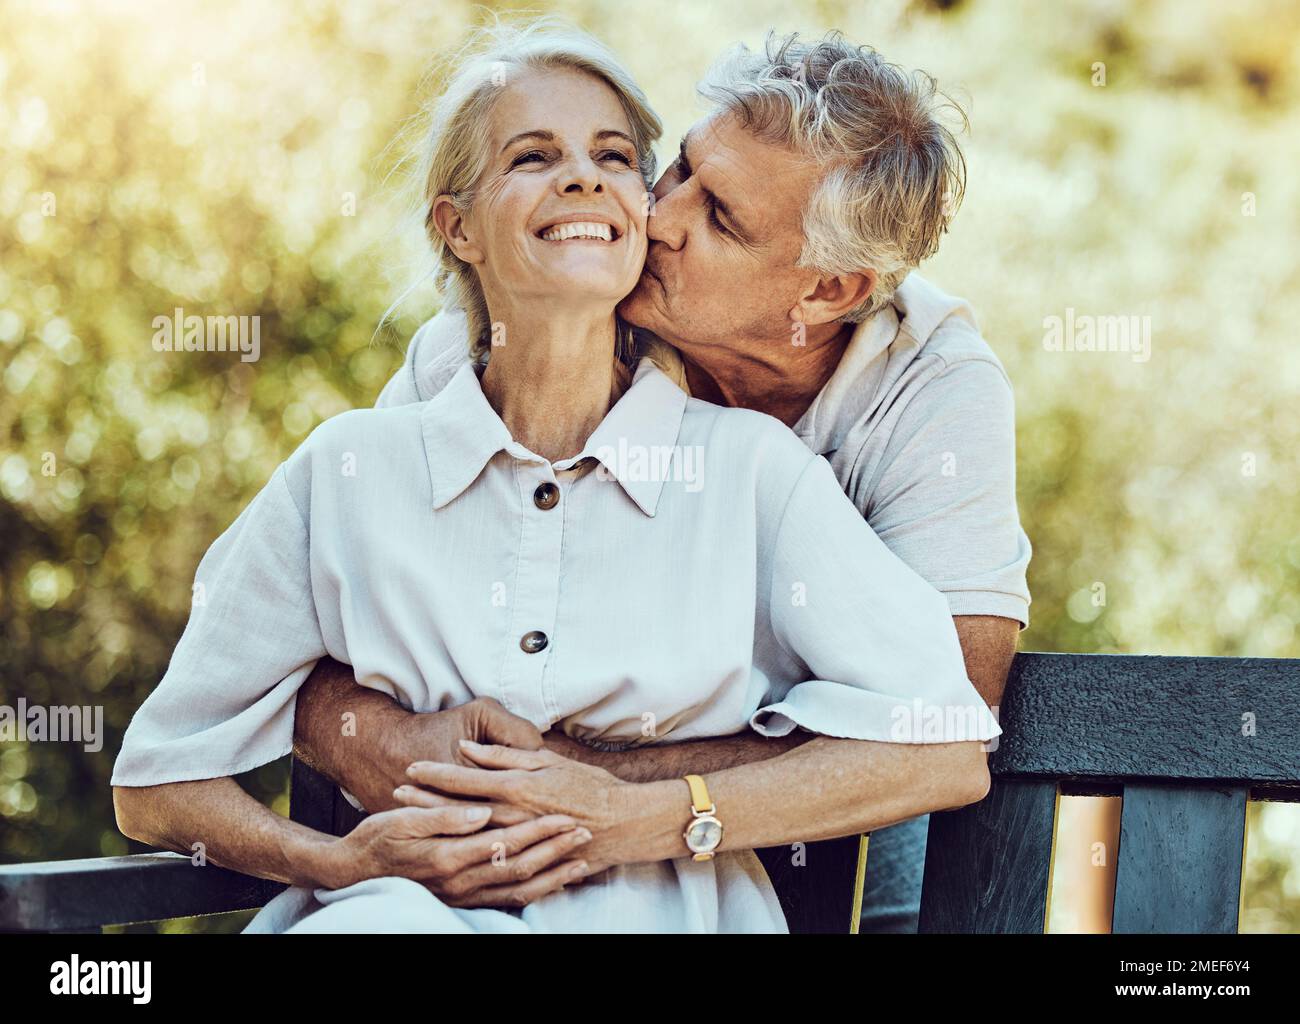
point(918, 423)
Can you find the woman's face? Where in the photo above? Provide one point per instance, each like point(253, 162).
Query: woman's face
point(560, 209)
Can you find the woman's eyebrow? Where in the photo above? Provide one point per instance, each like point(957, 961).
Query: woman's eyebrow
point(544, 136)
point(536, 133)
point(608, 133)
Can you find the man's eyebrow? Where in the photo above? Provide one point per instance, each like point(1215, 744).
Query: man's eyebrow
point(718, 204)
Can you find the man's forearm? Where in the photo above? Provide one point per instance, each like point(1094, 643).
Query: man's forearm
point(988, 645)
point(674, 760)
point(348, 732)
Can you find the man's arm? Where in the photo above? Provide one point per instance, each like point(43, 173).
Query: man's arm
point(364, 740)
point(988, 643)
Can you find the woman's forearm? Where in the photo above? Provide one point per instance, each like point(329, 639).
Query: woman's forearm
point(216, 819)
point(820, 790)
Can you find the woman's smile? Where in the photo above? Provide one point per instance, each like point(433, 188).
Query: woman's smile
point(580, 228)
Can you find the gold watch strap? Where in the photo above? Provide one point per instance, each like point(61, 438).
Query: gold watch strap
point(699, 795)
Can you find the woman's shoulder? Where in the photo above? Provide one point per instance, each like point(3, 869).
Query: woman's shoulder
point(364, 427)
point(340, 445)
point(747, 433)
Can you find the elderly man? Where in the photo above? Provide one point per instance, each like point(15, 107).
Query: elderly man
point(782, 241)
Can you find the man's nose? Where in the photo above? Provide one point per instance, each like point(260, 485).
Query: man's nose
point(667, 223)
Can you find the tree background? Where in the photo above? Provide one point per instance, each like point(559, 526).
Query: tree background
point(237, 158)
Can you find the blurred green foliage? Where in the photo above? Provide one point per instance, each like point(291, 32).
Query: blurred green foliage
point(234, 159)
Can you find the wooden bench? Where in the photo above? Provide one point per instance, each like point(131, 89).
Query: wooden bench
point(1186, 742)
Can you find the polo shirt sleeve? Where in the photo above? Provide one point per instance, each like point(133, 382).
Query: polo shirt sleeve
point(226, 702)
point(943, 495)
point(875, 642)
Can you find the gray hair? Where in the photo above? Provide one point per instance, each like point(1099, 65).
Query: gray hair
point(454, 152)
point(895, 173)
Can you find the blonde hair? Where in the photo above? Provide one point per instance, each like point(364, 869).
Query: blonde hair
point(454, 155)
point(895, 172)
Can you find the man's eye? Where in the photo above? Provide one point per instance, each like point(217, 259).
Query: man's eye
point(532, 156)
point(716, 221)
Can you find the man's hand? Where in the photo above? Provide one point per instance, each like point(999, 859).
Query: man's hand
point(364, 740)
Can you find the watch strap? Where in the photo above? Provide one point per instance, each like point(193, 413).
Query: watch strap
point(700, 801)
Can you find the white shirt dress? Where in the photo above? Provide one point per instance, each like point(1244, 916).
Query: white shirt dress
point(707, 577)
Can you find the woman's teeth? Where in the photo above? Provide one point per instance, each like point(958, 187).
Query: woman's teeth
point(563, 232)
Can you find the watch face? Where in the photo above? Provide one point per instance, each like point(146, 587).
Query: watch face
point(704, 834)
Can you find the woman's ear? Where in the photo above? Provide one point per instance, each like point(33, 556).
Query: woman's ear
point(451, 225)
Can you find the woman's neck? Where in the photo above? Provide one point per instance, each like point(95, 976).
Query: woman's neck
point(551, 379)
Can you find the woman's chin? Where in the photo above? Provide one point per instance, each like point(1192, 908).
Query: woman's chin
point(591, 291)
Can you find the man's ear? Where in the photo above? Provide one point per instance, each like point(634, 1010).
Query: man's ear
point(451, 225)
point(831, 296)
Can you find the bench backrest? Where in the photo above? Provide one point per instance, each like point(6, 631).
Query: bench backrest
point(1185, 741)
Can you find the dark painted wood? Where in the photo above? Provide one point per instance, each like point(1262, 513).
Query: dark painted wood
point(814, 883)
point(986, 865)
point(1180, 853)
point(74, 895)
point(1157, 718)
point(311, 797)
point(346, 817)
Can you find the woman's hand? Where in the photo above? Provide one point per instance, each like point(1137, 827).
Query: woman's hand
point(536, 783)
point(443, 848)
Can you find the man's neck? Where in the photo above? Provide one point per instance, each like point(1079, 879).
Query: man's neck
point(774, 377)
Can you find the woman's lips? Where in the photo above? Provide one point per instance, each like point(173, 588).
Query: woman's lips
point(580, 231)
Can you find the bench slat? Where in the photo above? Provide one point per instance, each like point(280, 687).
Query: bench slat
point(1111, 716)
point(1180, 859)
point(69, 895)
point(986, 865)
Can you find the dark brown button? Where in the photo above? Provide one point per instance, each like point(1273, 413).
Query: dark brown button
point(531, 643)
point(546, 497)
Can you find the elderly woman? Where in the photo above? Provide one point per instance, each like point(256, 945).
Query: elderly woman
point(562, 529)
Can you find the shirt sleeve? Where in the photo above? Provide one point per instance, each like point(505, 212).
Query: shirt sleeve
point(878, 643)
point(943, 497)
point(226, 702)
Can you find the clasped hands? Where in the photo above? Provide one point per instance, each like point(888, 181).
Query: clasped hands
point(495, 814)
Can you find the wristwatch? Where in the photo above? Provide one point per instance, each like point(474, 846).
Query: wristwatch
point(704, 833)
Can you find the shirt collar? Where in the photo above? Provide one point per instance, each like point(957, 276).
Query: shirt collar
point(916, 310)
point(462, 432)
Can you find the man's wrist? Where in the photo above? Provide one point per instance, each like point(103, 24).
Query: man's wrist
point(404, 739)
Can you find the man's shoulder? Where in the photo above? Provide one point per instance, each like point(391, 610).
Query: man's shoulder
point(941, 332)
point(437, 350)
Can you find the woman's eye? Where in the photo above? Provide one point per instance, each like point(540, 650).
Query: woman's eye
point(616, 155)
point(532, 156)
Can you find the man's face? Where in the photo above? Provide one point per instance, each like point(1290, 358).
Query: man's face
point(725, 233)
